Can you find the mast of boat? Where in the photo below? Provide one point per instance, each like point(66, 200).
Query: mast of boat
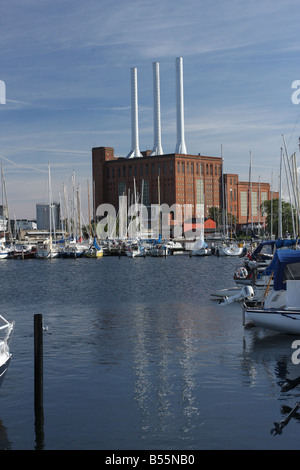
point(223, 191)
point(159, 215)
point(279, 202)
point(250, 179)
point(78, 214)
point(258, 208)
point(50, 206)
point(90, 225)
point(294, 188)
point(295, 172)
point(271, 204)
point(74, 223)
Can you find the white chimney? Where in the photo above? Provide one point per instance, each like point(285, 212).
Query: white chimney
point(180, 146)
point(135, 151)
point(157, 148)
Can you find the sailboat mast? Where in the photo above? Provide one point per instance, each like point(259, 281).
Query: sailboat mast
point(250, 179)
point(280, 195)
point(88, 189)
point(49, 200)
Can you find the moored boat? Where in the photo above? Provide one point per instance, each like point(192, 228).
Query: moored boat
point(135, 250)
point(200, 248)
point(47, 250)
point(230, 249)
point(24, 251)
point(5, 356)
point(280, 309)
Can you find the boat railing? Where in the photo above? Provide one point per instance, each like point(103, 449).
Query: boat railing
point(7, 328)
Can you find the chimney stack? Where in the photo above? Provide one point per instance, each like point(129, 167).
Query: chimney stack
point(157, 148)
point(135, 151)
point(180, 146)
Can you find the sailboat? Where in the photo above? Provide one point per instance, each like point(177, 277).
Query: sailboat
point(5, 355)
point(47, 249)
point(75, 247)
point(5, 251)
point(200, 248)
point(280, 310)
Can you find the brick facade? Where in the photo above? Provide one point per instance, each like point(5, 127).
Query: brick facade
point(182, 179)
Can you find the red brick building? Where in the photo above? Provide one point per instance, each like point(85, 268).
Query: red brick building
point(177, 179)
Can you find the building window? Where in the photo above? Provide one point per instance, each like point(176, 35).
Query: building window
point(187, 167)
point(119, 171)
point(264, 197)
point(147, 169)
point(254, 203)
point(182, 167)
point(121, 189)
point(244, 205)
point(178, 167)
point(129, 171)
point(199, 192)
point(146, 196)
point(124, 171)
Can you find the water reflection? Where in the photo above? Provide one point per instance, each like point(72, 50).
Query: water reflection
point(5, 443)
point(273, 353)
point(163, 363)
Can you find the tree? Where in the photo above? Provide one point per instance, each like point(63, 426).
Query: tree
point(271, 208)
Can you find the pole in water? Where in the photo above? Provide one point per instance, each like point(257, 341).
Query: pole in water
point(38, 362)
point(38, 382)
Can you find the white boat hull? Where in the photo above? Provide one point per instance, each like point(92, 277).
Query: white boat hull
point(47, 254)
point(285, 321)
point(230, 251)
point(201, 252)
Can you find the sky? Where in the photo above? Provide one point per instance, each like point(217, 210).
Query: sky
point(66, 69)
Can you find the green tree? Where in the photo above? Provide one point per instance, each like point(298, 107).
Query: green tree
point(272, 215)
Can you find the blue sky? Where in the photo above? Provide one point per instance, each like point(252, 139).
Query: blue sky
point(66, 66)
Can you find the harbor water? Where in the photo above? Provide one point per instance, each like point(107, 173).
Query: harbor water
point(138, 356)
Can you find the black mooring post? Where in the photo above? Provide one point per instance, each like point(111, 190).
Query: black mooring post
point(38, 362)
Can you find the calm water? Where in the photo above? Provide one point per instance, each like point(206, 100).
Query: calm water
point(137, 356)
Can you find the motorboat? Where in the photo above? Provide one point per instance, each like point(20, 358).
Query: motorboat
point(6, 329)
point(256, 270)
point(135, 250)
point(230, 249)
point(280, 308)
point(24, 251)
point(159, 249)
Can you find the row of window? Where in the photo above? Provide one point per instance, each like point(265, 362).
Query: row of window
point(182, 167)
point(143, 170)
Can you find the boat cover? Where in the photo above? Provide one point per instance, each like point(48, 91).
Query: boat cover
point(274, 245)
point(285, 265)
